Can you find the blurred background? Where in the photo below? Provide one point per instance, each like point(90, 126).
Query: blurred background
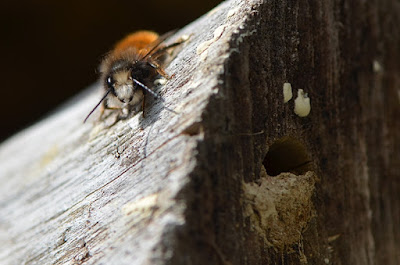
point(50, 49)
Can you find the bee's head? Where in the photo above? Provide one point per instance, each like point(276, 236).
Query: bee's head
point(121, 85)
point(123, 80)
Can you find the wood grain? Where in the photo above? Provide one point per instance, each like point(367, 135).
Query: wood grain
point(234, 176)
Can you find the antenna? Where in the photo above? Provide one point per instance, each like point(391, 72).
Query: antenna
point(145, 88)
point(104, 97)
point(158, 42)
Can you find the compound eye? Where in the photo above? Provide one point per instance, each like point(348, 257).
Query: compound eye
point(140, 71)
point(110, 82)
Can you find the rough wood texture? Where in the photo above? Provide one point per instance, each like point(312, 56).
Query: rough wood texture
point(236, 177)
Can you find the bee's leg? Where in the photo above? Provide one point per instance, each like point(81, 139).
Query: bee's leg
point(161, 72)
point(159, 53)
point(104, 106)
point(102, 109)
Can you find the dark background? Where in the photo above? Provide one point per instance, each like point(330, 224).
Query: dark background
point(51, 49)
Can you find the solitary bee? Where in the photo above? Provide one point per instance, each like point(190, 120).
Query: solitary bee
point(129, 70)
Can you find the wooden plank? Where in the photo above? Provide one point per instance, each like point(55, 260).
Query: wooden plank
point(236, 175)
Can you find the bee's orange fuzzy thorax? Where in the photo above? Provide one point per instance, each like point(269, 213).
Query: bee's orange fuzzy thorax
point(139, 40)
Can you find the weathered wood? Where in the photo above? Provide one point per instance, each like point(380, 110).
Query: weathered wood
point(236, 176)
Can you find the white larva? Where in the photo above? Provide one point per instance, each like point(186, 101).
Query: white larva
point(302, 105)
point(287, 92)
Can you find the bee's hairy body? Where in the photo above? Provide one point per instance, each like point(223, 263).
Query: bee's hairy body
point(130, 69)
point(126, 63)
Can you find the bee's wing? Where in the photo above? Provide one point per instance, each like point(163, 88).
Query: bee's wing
point(156, 44)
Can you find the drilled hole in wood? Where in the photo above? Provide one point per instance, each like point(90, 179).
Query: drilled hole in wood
point(287, 155)
point(193, 129)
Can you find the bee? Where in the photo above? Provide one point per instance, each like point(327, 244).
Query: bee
point(129, 70)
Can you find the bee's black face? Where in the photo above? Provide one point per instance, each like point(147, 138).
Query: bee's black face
point(141, 71)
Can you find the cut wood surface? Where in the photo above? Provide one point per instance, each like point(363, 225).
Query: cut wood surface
point(233, 174)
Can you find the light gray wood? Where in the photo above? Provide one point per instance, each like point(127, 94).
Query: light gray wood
point(67, 198)
point(235, 176)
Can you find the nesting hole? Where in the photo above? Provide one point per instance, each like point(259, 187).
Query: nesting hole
point(193, 129)
point(287, 155)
